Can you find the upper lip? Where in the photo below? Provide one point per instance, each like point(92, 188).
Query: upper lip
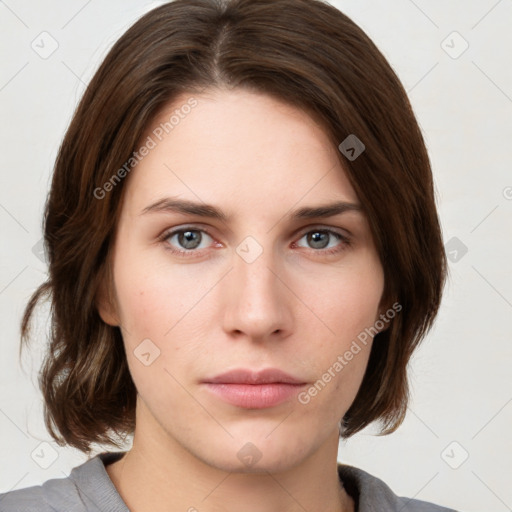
point(243, 376)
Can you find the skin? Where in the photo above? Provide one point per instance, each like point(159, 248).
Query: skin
point(294, 307)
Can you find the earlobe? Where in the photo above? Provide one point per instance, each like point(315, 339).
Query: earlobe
point(383, 320)
point(105, 307)
point(107, 314)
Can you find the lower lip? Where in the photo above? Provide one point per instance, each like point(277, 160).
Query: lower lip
point(254, 396)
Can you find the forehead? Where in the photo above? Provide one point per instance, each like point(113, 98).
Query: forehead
point(247, 147)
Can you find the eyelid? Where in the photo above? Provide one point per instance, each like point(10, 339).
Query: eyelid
point(167, 233)
point(345, 238)
point(321, 227)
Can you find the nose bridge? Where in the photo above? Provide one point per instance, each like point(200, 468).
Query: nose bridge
point(256, 302)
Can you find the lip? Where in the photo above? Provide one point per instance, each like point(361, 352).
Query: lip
point(250, 389)
point(244, 376)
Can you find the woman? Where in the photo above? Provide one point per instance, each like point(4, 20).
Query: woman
point(244, 252)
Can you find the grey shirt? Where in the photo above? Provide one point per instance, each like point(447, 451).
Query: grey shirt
point(89, 489)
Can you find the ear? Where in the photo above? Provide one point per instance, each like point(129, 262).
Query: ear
point(107, 313)
point(386, 314)
point(105, 304)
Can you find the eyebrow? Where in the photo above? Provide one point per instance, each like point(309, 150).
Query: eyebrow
point(185, 206)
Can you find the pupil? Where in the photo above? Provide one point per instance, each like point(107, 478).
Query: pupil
point(316, 239)
point(189, 239)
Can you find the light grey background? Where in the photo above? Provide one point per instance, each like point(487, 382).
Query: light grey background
point(461, 387)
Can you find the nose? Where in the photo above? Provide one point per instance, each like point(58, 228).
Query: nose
point(257, 302)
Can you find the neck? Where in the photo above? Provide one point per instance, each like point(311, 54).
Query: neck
point(159, 475)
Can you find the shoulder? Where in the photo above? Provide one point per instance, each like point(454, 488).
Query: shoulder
point(371, 493)
point(40, 498)
point(87, 486)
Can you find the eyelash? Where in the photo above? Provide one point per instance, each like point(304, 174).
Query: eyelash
point(346, 242)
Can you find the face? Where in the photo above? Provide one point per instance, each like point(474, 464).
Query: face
point(249, 278)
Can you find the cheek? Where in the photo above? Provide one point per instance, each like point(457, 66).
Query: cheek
point(349, 301)
point(141, 309)
point(348, 308)
point(152, 295)
point(165, 305)
point(153, 315)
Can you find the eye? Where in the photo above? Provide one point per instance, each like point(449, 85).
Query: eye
point(185, 240)
point(188, 241)
point(325, 241)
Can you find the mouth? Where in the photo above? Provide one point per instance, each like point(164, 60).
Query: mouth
point(249, 389)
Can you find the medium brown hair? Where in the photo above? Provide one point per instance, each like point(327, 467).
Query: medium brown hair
point(304, 52)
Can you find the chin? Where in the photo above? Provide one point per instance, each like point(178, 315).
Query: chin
point(258, 452)
point(270, 462)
